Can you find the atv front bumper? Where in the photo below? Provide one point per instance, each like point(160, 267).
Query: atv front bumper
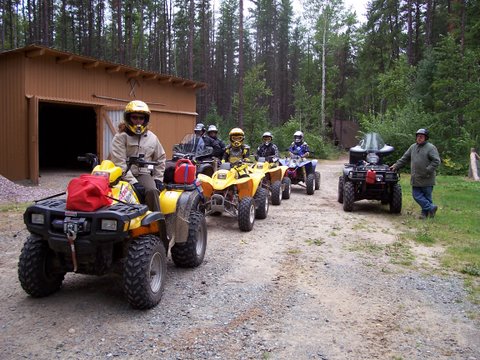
point(109, 225)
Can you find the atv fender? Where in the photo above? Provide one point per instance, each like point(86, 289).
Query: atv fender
point(277, 173)
point(187, 202)
point(207, 184)
point(246, 187)
point(159, 218)
point(168, 200)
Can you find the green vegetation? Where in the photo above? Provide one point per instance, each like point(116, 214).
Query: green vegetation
point(456, 226)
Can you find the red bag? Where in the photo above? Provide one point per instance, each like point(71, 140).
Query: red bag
point(88, 193)
point(185, 172)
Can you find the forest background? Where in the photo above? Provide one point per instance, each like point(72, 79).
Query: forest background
point(409, 64)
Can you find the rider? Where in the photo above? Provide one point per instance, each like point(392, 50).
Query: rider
point(236, 150)
point(198, 141)
point(134, 139)
point(212, 140)
point(268, 149)
point(298, 146)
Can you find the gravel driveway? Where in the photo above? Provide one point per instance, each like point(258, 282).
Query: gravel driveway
point(309, 282)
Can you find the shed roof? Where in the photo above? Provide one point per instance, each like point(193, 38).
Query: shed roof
point(32, 51)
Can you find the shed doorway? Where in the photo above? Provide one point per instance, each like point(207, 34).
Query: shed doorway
point(64, 132)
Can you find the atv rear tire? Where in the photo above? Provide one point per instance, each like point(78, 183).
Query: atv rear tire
point(310, 184)
point(191, 253)
point(246, 214)
point(341, 180)
point(35, 268)
point(261, 203)
point(145, 272)
point(348, 196)
point(317, 180)
point(287, 190)
point(396, 199)
point(276, 192)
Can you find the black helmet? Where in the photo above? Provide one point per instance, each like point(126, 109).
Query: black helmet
point(422, 132)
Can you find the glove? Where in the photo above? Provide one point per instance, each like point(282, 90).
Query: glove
point(160, 185)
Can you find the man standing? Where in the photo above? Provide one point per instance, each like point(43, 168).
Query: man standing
point(424, 160)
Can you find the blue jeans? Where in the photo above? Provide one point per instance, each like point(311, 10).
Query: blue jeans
point(423, 196)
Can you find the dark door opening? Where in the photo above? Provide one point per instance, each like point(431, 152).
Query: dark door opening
point(65, 132)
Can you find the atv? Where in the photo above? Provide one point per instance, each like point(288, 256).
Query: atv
point(185, 150)
point(301, 171)
point(236, 190)
point(367, 177)
point(278, 186)
point(121, 237)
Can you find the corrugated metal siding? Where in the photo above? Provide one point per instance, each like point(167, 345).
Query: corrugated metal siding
point(71, 81)
point(13, 119)
point(116, 117)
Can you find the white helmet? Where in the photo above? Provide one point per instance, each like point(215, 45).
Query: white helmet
point(212, 128)
point(298, 137)
point(265, 137)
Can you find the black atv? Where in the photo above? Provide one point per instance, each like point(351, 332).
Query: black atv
point(186, 149)
point(367, 177)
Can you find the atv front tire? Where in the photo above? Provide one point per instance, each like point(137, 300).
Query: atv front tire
point(191, 253)
point(341, 181)
point(396, 199)
point(287, 190)
point(246, 214)
point(261, 203)
point(317, 180)
point(36, 269)
point(348, 196)
point(310, 184)
point(277, 193)
point(145, 272)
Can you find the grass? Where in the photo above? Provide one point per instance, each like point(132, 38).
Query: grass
point(456, 226)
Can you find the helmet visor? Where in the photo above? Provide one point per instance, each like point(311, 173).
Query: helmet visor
point(236, 137)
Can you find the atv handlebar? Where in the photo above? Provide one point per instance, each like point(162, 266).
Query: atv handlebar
point(89, 158)
point(140, 162)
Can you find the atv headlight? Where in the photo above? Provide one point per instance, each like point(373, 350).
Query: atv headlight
point(38, 219)
point(109, 225)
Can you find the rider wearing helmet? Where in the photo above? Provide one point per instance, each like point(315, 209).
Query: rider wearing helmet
point(212, 140)
point(424, 159)
point(298, 146)
point(236, 150)
point(199, 142)
point(134, 139)
point(268, 149)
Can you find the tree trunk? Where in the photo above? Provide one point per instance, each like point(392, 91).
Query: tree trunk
point(240, 66)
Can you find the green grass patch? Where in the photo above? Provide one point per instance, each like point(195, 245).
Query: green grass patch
point(316, 242)
point(400, 253)
point(366, 247)
point(456, 225)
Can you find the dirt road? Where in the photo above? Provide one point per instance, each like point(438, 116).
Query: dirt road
point(309, 282)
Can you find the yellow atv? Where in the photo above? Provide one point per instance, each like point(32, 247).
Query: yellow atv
point(274, 181)
point(120, 237)
point(236, 190)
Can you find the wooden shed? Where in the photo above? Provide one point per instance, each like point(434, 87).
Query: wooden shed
point(57, 105)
